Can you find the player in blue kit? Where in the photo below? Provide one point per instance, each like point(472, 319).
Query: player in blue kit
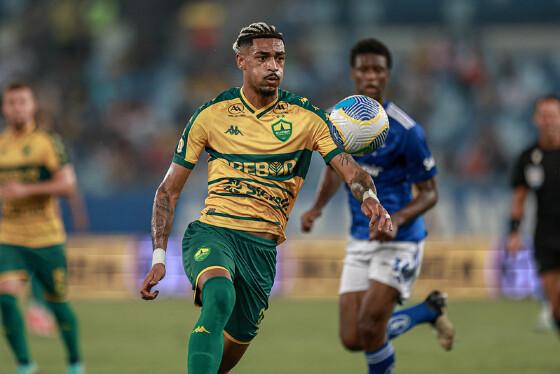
point(379, 270)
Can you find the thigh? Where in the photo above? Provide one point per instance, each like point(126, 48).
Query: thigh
point(354, 277)
point(13, 264)
point(256, 268)
point(397, 265)
point(205, 249)
point(51, 270)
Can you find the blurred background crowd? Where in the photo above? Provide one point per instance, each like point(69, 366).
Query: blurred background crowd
point(120, 78)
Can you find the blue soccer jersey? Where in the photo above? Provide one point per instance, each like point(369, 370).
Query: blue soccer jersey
point(403, 160)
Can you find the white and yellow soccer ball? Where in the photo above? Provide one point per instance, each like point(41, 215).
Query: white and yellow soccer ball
point(359, 125)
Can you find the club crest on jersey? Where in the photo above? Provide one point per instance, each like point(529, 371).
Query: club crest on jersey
point(26, 150)
point(236, 109)
point(282, 130)
point(201, 254)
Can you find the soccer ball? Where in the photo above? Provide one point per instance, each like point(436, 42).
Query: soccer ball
point(359, 125)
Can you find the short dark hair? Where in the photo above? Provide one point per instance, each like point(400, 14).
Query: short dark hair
point(257, 30)
point(370, 45)
point(18, 86)
point(547, 97)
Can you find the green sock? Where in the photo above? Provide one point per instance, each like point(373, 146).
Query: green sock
point(206, 343)
point(14, 328)
point(68, 327)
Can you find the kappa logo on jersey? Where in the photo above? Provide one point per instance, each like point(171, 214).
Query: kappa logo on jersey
point(282, 130)
point(201, 254)
point(201, 329)
point(236, 109)
point(281, 108)
point(233, 130)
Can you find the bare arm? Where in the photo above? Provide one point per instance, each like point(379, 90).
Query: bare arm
point(518, 202)
point(330, 182)
point(425, 199)
point(360, 182)
point(353, 175)
point(514, 240)
point(78, 209)
point(163, 212)
point(62, 183)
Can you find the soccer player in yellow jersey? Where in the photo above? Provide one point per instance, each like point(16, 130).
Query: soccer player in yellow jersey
point(34, 171)
point(259, 140)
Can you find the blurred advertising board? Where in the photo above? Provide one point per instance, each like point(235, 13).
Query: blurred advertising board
point(100, 266)
point(460, 267)
point(113, 266)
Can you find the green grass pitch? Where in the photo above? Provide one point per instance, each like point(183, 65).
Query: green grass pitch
point(299, 337)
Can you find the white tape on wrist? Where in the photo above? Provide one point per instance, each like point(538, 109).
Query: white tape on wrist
point(158, 256)
point(370, 193)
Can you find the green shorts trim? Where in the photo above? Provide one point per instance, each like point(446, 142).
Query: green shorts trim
point(47, 264)
point(251, 262)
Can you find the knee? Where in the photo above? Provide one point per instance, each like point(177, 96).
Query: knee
point(350, 339)
point(351, 343)
point(219, 293)
point(372, 326)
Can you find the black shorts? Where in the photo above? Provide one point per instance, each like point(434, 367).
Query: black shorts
point(547, 258)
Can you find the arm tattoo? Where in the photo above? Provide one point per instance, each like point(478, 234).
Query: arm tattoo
point(361, 182)
point(345, 159)
point(162, 218)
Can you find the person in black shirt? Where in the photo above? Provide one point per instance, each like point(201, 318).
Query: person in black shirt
point(538, 170)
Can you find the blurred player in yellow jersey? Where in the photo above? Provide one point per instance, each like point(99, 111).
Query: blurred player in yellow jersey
point(260, 140)
point(34, 171)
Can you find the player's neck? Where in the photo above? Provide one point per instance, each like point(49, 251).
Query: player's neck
point(24, 129)
point(256, 99)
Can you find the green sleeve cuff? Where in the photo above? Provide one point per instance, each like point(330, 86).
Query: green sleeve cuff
point(181, 161)
point(329, 156)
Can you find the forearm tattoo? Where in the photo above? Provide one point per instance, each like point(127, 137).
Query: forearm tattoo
point(345, 159)
point(162, 218)
point(361, 182)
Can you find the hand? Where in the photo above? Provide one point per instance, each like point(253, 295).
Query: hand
point(383, 236)
point(13, 191)
point(308, 218)
point(154, 276)
point(380, 220)
point(514, 243)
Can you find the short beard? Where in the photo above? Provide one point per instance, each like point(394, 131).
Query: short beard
point(18, 126)
point(267, 92)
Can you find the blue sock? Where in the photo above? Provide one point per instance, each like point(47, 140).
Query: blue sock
point(381, 361)
point(405, 319)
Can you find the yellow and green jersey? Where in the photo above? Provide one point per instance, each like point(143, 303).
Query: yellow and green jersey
point(258, 158)
point(29, 158)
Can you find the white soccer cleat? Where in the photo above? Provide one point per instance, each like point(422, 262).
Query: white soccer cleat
point(442, 324)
